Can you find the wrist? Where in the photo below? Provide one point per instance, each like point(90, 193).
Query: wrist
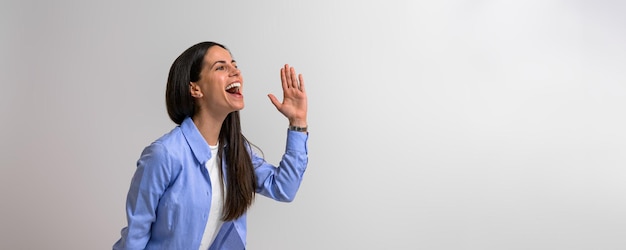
point(298, 123)
point(298, 128)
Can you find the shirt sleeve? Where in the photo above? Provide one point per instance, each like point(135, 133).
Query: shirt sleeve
point(151, 178)
point(282, 183)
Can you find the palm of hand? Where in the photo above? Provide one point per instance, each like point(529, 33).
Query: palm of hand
point(294, 104)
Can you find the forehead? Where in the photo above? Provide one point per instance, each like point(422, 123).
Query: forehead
point(217, 53)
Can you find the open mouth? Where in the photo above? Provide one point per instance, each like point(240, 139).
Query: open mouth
point(234, 88)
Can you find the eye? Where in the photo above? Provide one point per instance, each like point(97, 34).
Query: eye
point(220, 67)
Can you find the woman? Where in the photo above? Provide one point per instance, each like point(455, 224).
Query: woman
point(192, 186)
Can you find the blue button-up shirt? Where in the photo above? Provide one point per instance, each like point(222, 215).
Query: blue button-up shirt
point(168, 202)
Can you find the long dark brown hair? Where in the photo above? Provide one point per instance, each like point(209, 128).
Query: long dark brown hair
point(240, 178)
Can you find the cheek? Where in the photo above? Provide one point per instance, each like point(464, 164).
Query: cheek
point(214, 84)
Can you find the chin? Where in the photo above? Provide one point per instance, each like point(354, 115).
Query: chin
point(238, 107)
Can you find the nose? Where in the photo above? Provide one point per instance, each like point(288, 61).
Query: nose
point(234, 71)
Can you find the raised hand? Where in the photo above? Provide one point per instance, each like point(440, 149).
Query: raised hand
point(294, 104)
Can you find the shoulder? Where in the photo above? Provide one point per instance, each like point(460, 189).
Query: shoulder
point(167, 151)
point(174, 136)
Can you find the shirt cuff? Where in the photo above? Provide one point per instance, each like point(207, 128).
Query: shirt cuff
point(297, 141)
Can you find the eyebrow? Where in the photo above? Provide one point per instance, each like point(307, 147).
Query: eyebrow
point(233, 61)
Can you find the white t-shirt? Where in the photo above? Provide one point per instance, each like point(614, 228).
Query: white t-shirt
point(214, 222)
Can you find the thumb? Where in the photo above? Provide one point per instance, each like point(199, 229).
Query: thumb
point(274, 100)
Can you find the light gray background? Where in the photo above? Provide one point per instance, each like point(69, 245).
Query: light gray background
point(434, 124)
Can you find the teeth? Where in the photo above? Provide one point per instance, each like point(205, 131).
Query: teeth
point(233, 85)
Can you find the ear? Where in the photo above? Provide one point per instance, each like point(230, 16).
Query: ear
point(194, 90)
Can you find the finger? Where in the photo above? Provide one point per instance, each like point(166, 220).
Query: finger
point(294, 79)
point(274, 101)
point(287, 73)
point(301, 83)
point(283, 79)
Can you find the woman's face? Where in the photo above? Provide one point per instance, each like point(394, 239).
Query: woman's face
point(220, 83)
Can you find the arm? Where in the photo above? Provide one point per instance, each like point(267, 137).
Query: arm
point(150, 180)
point(282, 182)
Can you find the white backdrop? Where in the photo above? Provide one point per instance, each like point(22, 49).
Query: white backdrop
point(434, 124)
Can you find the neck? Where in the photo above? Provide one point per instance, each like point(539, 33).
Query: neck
point(209, 126)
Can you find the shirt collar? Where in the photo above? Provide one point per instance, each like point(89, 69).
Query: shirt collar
point(198, 145)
